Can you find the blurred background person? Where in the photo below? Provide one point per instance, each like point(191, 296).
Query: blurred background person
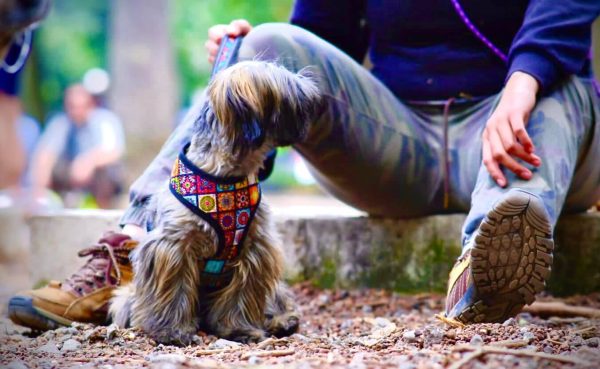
point(80, 152)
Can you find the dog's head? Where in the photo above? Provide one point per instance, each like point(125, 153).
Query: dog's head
point(259, 103)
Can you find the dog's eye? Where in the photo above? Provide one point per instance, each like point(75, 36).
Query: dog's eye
point(269, 316)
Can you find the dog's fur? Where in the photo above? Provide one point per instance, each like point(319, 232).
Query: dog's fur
point(252, 107)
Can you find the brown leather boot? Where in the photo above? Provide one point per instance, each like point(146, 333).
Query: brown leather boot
point(84, 296)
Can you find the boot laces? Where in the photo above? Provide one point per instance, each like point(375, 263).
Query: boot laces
point(96, 272)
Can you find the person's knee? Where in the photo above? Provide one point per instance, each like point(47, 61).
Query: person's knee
point(270, 40)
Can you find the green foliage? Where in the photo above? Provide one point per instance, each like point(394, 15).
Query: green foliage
point(69, 42)
point(76, 37)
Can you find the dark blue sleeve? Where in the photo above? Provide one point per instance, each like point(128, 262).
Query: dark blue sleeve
point(341, 23)
point(554, 40)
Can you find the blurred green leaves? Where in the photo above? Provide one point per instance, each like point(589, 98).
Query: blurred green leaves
point(71, 40)
point(76, 37)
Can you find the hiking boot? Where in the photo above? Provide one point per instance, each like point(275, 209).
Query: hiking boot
point(508, 264)
point(83, 297)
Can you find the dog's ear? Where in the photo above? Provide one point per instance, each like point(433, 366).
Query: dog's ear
point(248, 131)
point(300, 104)
point(253, 134)
point(235, 104)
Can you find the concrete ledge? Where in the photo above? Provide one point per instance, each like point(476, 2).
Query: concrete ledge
point(56, 238)
point(346, 250)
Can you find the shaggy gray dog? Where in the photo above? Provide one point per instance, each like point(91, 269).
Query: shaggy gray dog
point(183, 281)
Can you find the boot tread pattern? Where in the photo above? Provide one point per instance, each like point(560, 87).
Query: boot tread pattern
point(511, 258)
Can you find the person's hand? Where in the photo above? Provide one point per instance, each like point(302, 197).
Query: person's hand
point(238, 27)
point(81, 172)
point(504, 137)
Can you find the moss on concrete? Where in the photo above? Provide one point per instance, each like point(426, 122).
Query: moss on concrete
point(406, 267)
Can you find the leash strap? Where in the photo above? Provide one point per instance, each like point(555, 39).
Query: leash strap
point(227, 53)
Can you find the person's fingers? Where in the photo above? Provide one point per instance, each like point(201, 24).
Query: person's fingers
point(506, 136)
point(518, 127)
point(212, 48)
point(514, 147)
point(490, 164)
point(519, 151)
point(238, 27)
point(500, 156)
point(217, 32)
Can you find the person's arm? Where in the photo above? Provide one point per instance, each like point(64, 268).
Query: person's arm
point(51, 145)
point(552, 43)
point(341, 23)
point(12, 152)
point(554, 40)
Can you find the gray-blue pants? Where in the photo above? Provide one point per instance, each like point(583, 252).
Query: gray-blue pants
point(387, 157)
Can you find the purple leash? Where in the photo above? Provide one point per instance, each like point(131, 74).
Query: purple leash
point(477, 33)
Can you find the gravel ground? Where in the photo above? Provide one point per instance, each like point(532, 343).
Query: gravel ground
point(355, 329)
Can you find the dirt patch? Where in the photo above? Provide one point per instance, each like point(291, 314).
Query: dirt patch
point(356, 329)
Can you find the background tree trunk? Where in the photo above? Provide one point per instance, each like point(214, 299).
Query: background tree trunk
point(144, 91)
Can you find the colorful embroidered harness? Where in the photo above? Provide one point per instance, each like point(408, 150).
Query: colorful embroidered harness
point(227, 204)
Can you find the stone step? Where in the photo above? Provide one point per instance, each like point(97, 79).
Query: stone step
point(343, 250)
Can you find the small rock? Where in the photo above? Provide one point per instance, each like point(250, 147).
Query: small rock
point(451, 333)
point(367, 309)
point(593, 342)
point(346, 324)
point(400, 312)
point(577, 341)
point(524, 319)
point(111, 331)
point(167, 358)
point(78, 325)
point(409, 336)
point(222, 344)
point(407, 365)
point(510, 322)
point(547, 349)
point(358, 361)
point(323, 299)
point(71, 345)
point(300, 337)
point(528, 336)
point(253, 360)
point(382, 322)
point(197, 340)
point(16, 365)
point(434, 335)
point(49, 348)
point(95, 334)
point(66, 331)
point(476, 340)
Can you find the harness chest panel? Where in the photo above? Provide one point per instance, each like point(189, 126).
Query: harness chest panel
point(227, 204)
